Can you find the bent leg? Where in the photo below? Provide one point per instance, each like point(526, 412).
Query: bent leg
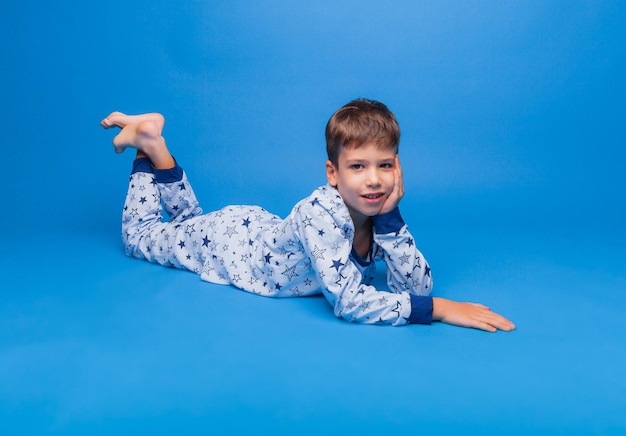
point(175, 243)
point(156, 180)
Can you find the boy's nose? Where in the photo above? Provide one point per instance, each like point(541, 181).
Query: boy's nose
point(374, 179)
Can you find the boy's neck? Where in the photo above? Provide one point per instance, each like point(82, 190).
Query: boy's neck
point(362, 237)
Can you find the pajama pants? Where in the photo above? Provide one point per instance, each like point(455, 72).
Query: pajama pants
point(189, 238)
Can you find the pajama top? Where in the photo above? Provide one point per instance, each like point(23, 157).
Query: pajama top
point(307, 253)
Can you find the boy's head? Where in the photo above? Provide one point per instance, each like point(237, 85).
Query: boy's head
point(362, 142)
point(358, 123)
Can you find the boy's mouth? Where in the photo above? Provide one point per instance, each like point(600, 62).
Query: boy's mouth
point(374, 196)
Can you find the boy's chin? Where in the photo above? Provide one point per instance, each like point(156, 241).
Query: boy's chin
point(371, 213)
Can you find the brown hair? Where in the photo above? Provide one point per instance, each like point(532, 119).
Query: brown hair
point(359, 122)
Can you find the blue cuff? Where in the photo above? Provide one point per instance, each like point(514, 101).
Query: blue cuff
point(142, 165)
point(390, 222)
point(421, 310)
point(170, 175)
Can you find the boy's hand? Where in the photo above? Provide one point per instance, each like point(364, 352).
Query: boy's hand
point(398, 189)
point(469, 315)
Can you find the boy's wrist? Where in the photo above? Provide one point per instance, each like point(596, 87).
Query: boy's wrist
point(439, 308)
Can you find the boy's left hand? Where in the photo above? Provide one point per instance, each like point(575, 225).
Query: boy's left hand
point(398, 189)
point(469, 315)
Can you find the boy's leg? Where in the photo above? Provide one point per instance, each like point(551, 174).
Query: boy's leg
point(175, 243)
point(156, 177)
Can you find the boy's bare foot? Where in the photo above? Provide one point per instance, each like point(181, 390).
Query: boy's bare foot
point(121, 120)
point(134, 128)
point(142, 132)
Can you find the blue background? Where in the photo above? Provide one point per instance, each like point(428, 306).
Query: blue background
point(512, 117)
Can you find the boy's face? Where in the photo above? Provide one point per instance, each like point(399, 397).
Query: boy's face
point(364, 177)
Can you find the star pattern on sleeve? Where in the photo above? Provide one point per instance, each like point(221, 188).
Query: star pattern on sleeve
point(318, 253)
point(337, 264)
point(230, 231)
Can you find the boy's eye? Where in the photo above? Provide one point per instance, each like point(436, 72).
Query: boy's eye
point(386, 165)
point(356, 166)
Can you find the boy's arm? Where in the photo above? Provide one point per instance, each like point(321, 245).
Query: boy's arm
point(404, 269)
point(407, 269)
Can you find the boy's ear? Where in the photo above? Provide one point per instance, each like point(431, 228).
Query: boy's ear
point(331, 173)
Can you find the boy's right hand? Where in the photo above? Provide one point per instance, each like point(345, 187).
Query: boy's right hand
point(470, 315)
point(398, 189)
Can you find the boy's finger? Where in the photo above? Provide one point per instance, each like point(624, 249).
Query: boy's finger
point(398, 168)
point(502, 323)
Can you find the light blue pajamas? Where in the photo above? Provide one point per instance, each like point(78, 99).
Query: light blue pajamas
point(307, 253)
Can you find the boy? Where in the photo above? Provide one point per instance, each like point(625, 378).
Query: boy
point(329, 242)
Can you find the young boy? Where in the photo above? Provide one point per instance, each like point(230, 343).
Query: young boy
point(329, 242)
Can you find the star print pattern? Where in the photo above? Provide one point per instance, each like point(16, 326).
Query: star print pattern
point(309, 252)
